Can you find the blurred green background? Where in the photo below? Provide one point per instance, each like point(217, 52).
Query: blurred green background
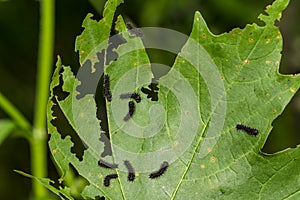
point(19, 25)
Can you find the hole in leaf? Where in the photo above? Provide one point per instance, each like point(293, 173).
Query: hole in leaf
point(107, 147)
point(65, 129)
point(99, 198)
point(58, 91)
point(114, 42)
point(101, 115)
point(89, 76)
point(288, 124)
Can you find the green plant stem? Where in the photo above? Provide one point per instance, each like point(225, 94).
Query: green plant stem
point(15, 114)
point(45, 61)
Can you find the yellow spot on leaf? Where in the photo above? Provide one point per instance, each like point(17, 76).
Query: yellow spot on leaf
point(268, 41)
point(203, 35)
point(251, 40)
point(202, 166)
point(268, 62)
point(222, 78)
point(100, 175)
point(209, 150)
point(246, 62)
point(292, 90)
point(212, 159)
point(54, 151)
point(135, 64)
point(175, 143)
point(274, 111)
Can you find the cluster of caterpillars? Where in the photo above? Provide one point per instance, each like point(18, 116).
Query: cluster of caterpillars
point(137, 98)
point(131, 173)
point(131, 106)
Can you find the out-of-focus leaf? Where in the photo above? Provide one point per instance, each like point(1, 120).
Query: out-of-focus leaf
point(6, 127)
point(97, 4)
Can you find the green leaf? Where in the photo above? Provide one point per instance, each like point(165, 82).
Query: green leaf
point(274, 11)
point(96, 32)
point(6, 127)
point(216, 82)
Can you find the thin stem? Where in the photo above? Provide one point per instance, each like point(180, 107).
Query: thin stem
point(15, 114)
point(45, 62)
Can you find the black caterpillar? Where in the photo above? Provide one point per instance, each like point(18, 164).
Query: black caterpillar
point(161, 171)
point(104, 164)
point(106, 88)
point(250, 131)
point(131, 110)
point(134, 96)
point(131, 174)
point(107, 178)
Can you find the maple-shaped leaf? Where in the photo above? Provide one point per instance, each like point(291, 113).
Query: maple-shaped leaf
point(201, 139)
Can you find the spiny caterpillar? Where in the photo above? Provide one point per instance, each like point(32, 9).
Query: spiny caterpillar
point(105, 164)
point(106, 88)
point(250, 131)
point(107, 178)
point(162, 169)
point(131, 174)
point(131, 110)
point(134, 96)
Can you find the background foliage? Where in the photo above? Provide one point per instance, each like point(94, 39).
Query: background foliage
point(19, 22)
